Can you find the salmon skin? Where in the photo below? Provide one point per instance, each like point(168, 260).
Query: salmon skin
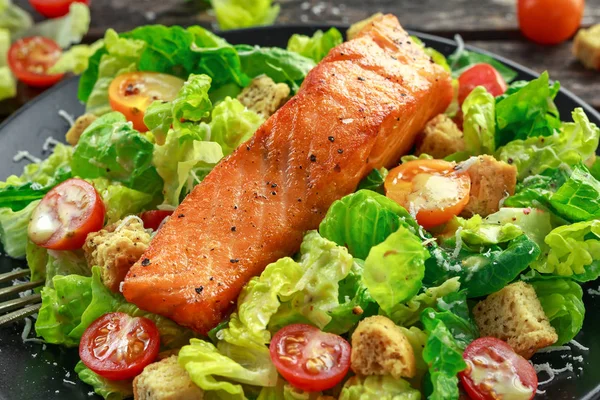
point(359, 109)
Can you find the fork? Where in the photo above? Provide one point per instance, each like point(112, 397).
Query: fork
point(20, 307)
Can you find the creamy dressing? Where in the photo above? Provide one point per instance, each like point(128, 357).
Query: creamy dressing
point(499, 377)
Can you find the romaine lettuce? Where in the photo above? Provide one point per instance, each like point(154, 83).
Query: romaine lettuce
point(317, 46)
point(374, 181)
point(362, 220)
point(455, 314)
point(381, 387)
point(8, 83)
point(479, 124)
point(13, 229)
point(120, 200)
point(109, 389)
point(395, 268)
point(234, 14)
point(462, 60)
point(76, 59)
point(232, 124)
point(14, 19)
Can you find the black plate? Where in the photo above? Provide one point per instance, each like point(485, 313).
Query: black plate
point(29, 372)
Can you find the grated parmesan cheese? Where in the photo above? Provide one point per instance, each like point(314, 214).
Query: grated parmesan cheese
point(127, 220)
point(25, 155)
point(579, 345)
point(545, 367)
point(465, 165)
point(67, 117)
point(459, 242)
point(578, 359)
point(69, 382)
point(551, 349)
point(460, 47)
point(48, 143)
point(593, 292)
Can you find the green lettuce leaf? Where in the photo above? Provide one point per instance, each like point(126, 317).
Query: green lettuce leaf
point(64, 263)
point(235, 14)
point(374, 181)
point(108, 389)
point(562, 301)
point(395, 268)
point(417, 339)
point(13, 19)
point(578, 199)
point(462, 60)
point(120, 200)
point(13, 229)
point(573, 143)
point(111, 148)
point(362, 220)
point(479, 125)
point(435, 55)
point(594, 167)
point(76, 59)
point(37, 258)
point(279, 64)
point(8, 83)
point(454, 313)
point(317, 46)
point(378, 387)
point(528, 112)
point(232, 124)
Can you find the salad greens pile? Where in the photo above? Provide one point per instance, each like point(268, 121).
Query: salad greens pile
point(368, 257)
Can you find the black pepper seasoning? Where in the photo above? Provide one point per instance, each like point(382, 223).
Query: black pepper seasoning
point(233, 229)
point(180, 216)
point(360, 78)
point(145, 262)
point(234, 260)
point(313, 158)
point(331, 139)
point(340, 151)
point(199, 289)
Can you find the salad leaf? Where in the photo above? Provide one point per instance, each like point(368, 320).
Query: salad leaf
point(435, 55)
point(234, 14)
point(417, 339)
point(8, 83)
point(578, 199)
point(374, 181)
point(37, 258)
point(13, 19)
point(204, 363)
point(362, 220)
point(444, 356)
point(455, 315)
point(317, 46)
point(232, 124)
point(462, 60)
point(111, 148)
point(108, 389)
point(479, 125)
point(594, 167)
point(64, 30)
point(408, 313)
point(378, 387)
point(279, 64)
point(395, 268)
point(13, 229)
point(76, 59)
point(65, 263)
point(562, 301)
point(575, 142)
point(120, 200)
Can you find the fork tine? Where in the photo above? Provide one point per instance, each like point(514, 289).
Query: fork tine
point(16, 274)
point(21, 288)
point(11, 305)
point(19, 314)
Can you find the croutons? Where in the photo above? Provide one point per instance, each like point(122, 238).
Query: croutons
point(358, 26)
point(440, 138)
point(515, 315)
point(379, 347)
point(165, 380)
point(116, 248)
point(586, 47)
point(80, 125)
point(491, 181)
point(264, 96)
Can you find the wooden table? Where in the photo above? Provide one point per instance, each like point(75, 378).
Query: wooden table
point(488, 24)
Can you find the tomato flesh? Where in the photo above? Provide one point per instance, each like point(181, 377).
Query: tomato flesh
point(549, 22)
point(66, 215)
point(310, 359)
point(118, 346)
point(152, 219)
point(133, 92)
point(430, 189)
point(495, 371)
point(54, 8)
point(30, 58)
point(480, 75)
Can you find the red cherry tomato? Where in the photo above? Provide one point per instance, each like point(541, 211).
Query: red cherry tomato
point(310, 359)
point(550, 21)
point(66, 215)
point(30, 58)
point(118, 346)
point(495, 371)
point(480, 75)
point(153, 219)
point(54, 8)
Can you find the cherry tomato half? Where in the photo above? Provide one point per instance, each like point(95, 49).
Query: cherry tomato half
point(118, 346)
point(30, 58)
point(310, 359)
point(133, 92)
point(550, 21)
point(66, 215)
point(152, 219)
point(495, 371)
point(54, 8)
point(480, 75)
point(430, 188)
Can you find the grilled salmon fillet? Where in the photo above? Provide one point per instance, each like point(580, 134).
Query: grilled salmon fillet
point(359, 109)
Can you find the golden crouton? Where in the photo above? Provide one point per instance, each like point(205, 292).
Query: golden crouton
point(264, 96)
point(116, 248)
point(358, 26)
point(440, 138)
point(586, 47)
point(165, 380)
point(379, 347)
point(491, 181)
point(515, 315)
point(80, 125)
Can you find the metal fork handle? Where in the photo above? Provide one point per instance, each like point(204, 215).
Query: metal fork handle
point(16, 274)
point(19, 314)
point(14, 304)
point(21, 288)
